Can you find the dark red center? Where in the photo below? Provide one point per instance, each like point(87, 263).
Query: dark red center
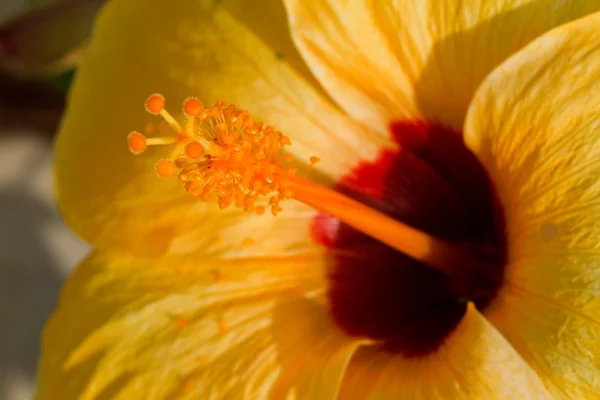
point(433, 183)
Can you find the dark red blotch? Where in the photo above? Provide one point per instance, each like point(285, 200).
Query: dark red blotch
point(437, 185)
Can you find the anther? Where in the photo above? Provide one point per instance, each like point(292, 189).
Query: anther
point(194, 150)
point(165, 168)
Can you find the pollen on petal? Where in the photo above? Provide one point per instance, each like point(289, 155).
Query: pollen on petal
point(223, 327)
point(313, 160)
point(155, 103)
point(189, 385)
point(177, 269)
point(193, 107)
point(165, 168)
point(248, 241)
point(194, 150)
point(181, 323)
point(137, 142)
point(220, 277)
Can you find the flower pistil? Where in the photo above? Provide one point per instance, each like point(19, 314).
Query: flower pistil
point(222, 152)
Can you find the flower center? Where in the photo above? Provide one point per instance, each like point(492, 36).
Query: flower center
point(435, 184)
point(413, 237)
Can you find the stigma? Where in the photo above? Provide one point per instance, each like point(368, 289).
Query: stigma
point(221, 153)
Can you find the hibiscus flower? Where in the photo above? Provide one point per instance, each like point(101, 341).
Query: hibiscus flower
point(446, 244)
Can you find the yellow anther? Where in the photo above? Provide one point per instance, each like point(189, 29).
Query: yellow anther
point(276, 210)
point(194, 150)
point(224, 202)
point(222, 153)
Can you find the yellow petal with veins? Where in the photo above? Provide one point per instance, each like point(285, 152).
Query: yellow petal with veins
point(535, 125)
point(396, 59)
point(475, 363)
point(236, 51)
point(129, 328)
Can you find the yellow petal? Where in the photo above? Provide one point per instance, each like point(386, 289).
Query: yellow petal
point(535, 124)
point(476, 362)
point(385, 60)
point(236, 51)
point(127, 328)
point(313, 352)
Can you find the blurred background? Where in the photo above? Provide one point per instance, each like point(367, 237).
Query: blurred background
point(41, 42)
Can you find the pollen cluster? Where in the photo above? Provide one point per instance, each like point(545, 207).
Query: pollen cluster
point(222, 154)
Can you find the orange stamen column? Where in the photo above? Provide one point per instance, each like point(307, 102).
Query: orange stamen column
point(437, 253)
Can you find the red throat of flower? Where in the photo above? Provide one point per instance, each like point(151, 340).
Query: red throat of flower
point(434, 184)
point(223, 154)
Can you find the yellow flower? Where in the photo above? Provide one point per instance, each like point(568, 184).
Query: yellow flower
point(182, 300)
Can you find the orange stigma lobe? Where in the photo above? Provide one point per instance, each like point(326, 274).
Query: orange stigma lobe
point(155, 103)
point(137, 142)
point(192, 107)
